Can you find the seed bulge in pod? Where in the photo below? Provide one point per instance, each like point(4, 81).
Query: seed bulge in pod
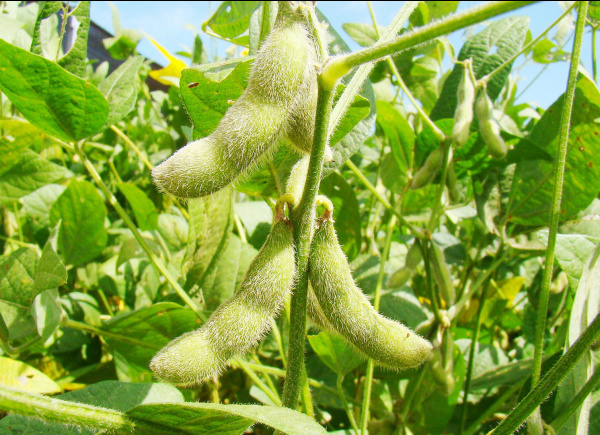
point(348, 310)
point(240, 322)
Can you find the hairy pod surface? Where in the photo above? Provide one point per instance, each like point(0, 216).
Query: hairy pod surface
point(348, 310)
point(488, 126)
point(429, 170)
point(252, 126)
point(239, 323)
point(463, 116)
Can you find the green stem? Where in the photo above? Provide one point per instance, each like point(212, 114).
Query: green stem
point(129, 223)
point(436, 210)
point(259, 383)
point(488, 77)
point(80, 326)
point(439, 134)
point(303, 219)
point(341, 65)
point(61, 411)
point(594, 63)
point(342, 396)
point(376, 300)
point(414, 230)
point(148, 165)
point(497, 405)
point(433, 296)
point(265, 23)
point(472, 350)
point(362, 73)
point(559, 176)
point(551, 380)
point(576, 402)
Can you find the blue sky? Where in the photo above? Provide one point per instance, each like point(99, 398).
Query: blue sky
point(170, 23)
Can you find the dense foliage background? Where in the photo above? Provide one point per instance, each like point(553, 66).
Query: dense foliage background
point(95, 260)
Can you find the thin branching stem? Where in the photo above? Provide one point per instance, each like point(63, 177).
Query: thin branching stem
point(376, 300)
point(559, 176)
point(550, 380)
point(129, 223)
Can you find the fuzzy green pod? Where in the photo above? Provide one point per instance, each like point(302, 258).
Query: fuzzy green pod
point(239, 323)
point(463, 116)
point(350, 313)
point(429, 170)
point(252, 126)
point(488, 126)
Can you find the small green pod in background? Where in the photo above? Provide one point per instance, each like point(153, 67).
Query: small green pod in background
point(253, 124)
point(452, 184)
point(429, 170)
point(488, 126)
point(441, 275)
point(402, 275)
point(387, 342)
point(240, 322)
point(463, 116)
point(441, 363)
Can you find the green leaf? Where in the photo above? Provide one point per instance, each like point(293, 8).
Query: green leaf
point(121, 396)
point(352, 141)
point(213, 89)
point(220, 283)
point(123, 44)
point(209, 228)
point(143, 209)
point(572, 252)
point(533, 183)
point(17, 272)
point(52, 99)
point(37, 204)
point(335, 352)
point(16, 137)
point(585, 309)
point(82, 235)
point(47, 312)
point(74, 60)
point(404, 307)
point(218, 419)
point(50, 272)
point(120, 89)
point(347, 221)
point(489, 49)
point(363, 34)
point(505, 374)
point(17, 374)
point(49, 8)
point(144, 332)
point(30, 172)
point(231, 19)
point(398, 133)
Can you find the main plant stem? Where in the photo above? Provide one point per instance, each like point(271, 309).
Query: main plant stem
point(339, 66)
point(303, 220)
point(559, 176)
point(551, 380)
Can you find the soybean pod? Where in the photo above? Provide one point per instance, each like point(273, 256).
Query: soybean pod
point(347, 309)
point(463, 116)
point(488, 126)
point(429, 170)
point(248, 132)
point(240, 322)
